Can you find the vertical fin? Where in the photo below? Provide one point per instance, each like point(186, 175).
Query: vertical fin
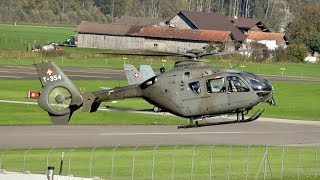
point(59, 96)
point(132, 74)
point(137, 77)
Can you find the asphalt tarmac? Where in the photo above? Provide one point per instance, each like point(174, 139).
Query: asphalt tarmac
point(76, 73)
point(264, 131)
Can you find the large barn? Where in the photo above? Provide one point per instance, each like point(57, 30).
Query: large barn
point(185, 31)
point(159, 38)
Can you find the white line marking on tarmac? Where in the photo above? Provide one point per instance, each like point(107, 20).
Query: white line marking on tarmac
point(103, 77)
point(39, 134)
point(15, 77)
point(17, 102)
point(17, 72)
point(203, 133)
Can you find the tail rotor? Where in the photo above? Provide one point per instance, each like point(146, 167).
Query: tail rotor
point(59, 96)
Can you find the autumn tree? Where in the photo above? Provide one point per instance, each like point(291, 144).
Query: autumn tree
point(305, 27)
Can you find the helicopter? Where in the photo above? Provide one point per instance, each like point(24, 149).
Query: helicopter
point(192, 90)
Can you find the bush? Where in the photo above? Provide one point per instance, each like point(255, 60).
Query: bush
point(297, 52)
point(260, 53)
point(281, 55)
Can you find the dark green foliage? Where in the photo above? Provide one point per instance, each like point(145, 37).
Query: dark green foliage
point(297, 52)
point(260, 55)
point(280, 55)
point(305, 28)
point(50, 11)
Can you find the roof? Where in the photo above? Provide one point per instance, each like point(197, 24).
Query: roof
point(257, 35)
point(138, 21)
point(176, 33)
point(97, 28)
point(153, 31)
point(213, 21)
point(248, 23)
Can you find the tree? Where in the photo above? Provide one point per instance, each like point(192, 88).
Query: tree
point(305, 27)
point(297, 52)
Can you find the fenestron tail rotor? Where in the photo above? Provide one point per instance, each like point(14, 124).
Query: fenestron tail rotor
point(59, 96)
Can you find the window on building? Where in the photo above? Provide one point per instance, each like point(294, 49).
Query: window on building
point(155, 45)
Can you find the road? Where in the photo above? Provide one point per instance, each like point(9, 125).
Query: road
point(76, 73)
point(264, 131)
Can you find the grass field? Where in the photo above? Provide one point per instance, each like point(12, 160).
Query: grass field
point(294, 101)
point(18, 37)
point(181, 162)
point(21, 114)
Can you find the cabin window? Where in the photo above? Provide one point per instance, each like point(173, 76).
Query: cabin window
point(235, 84)
point(216, 85)
point(195, 87)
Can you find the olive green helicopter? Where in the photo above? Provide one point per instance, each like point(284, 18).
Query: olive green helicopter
point(192, 90)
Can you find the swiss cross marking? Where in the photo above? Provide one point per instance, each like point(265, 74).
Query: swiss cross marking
point(49, 72)
point(136, 75)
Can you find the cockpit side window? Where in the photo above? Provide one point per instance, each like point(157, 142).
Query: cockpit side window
point(195, 87)
point(216, 85)
point(235, 84)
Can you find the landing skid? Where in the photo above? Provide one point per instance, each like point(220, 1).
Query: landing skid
point(242, 120)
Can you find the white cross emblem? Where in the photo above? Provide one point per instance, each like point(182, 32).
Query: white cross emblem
point(136, 75)
point(49, 72)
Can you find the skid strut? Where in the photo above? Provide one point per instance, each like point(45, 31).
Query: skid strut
point(194, 123)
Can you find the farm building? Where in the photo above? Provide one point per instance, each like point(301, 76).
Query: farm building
point(271, 40)
point(159, 38)
point(244, 30)
point(206, 21)
point(245, 25)
point(187, 30)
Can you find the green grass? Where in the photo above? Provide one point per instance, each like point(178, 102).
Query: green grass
point(22, 114)
point(295, 100)
point(18, 37)
point(291, 69)
point(225, 163)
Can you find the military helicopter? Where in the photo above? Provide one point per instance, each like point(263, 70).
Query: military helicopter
point(192, 90)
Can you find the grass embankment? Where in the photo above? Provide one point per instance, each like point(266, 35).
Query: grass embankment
point(235, 164)
point(294, 101)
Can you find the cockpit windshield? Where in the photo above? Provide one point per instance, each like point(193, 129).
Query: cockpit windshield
point(257, 83)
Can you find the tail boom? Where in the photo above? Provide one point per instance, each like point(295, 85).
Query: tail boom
point(60, 97)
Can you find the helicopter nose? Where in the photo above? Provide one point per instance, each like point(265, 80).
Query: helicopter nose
point(266, 93)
